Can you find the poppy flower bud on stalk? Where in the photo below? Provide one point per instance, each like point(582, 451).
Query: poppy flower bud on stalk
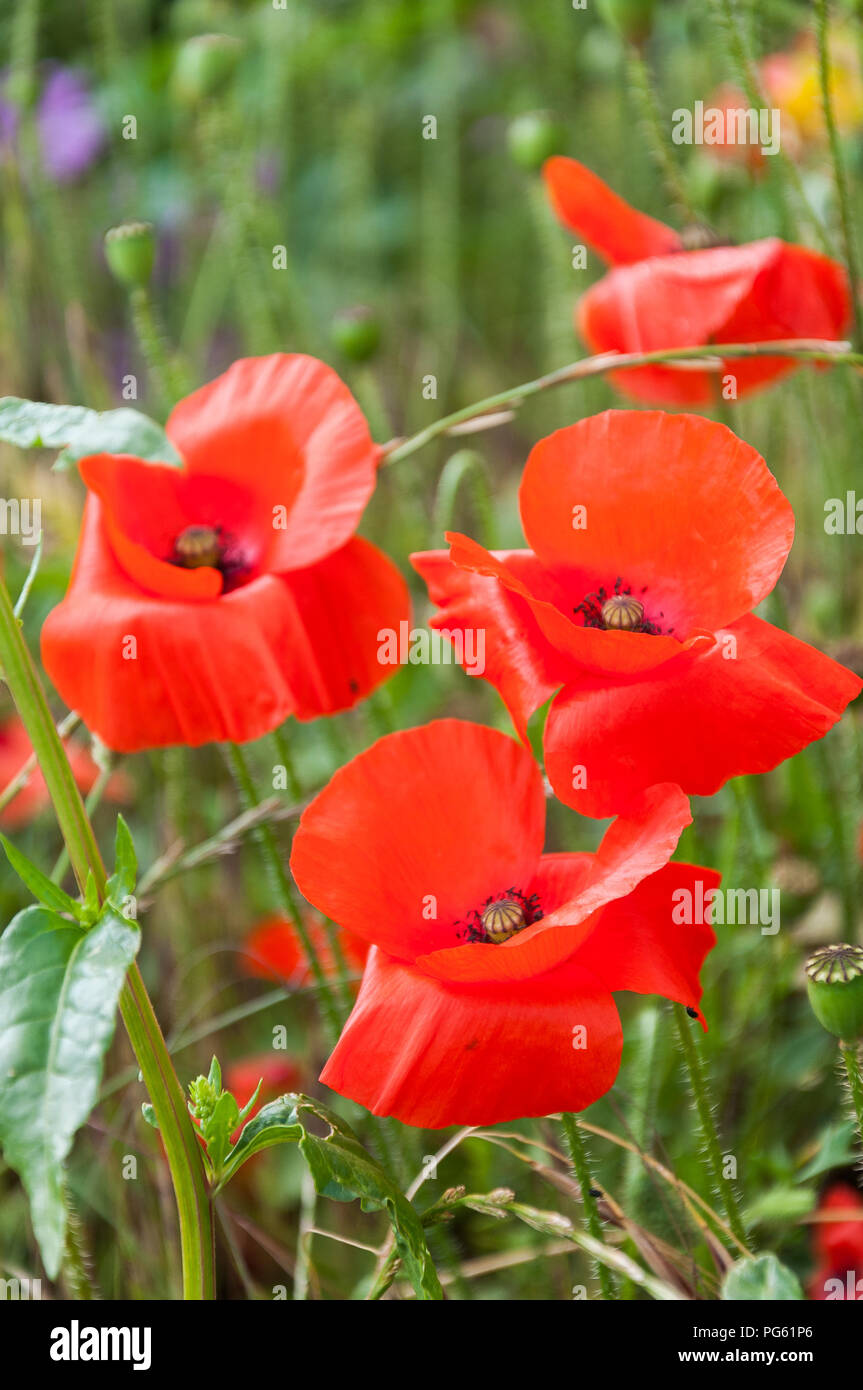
point(204, 65)
point(533, 138)
point(631, 18)
point(130, 250)
point(834, 981)
point(356, 332)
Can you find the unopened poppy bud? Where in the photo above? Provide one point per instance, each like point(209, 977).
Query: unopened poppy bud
point(356, 332)
point(533, 138)
point(622, 612)
point(204, 65)
point(130, 250)
point(196, 547)
point(631, 18)
point(834, 981)
point(502, 919)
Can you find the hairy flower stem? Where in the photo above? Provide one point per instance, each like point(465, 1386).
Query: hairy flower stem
point(169, 1104)
point(850, 1052)
point(842, 195)
point(641, 79)
point(710, 1133)
point(580, 1163)
point(283, 888)
point(803, 350)
point(168, 377)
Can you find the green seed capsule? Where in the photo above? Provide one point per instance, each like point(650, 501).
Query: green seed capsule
point(834, 982)
point(502, 919)
point(130, 250)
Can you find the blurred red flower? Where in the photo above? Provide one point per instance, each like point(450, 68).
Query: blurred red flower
point(488, 990)
point(660, 295)
point(640, 618)
point(277, 1074)
point(839, 1245)
point(209, 602)
point(272, 950)
point(16, 748)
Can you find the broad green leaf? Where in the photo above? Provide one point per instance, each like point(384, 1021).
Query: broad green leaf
point(59, 987)
point(217, 1129)
point(341, 1168)
point(274, 1123)
point(39, 884)
point(37, 425)
point(835, 1150)
point(762, 1278)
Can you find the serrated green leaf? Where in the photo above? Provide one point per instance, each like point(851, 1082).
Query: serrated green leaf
point(765, 1277)
point(342, 1169)
point(58, 1000)
point(40, 885)
point(38, 425)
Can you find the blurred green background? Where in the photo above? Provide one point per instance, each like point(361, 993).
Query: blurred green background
point(307, 133)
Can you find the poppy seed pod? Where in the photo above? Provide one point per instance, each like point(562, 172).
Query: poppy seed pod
point(533, 138)
point(130, 250)
point(631, 18)
point(356, 332)
point(834, 983)
point(204, 65)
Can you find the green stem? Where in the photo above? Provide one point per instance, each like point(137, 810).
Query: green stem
point(168, 378)
point(580, 1162)
point(166, 1095)
point(851, 1057)
point(800, 349)
point(642, 84)
point(239, 766)
point(710, 1133)
point(849, 247)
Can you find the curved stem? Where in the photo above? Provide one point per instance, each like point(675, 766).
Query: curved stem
point(578, 1154)
point(709, 1131)
point(712, 355)
point(181, 1146)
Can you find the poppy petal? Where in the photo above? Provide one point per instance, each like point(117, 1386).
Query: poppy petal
point(634, 846)
point(342, 604)
point(752, 293)
point(699, 530)
point(432, 1055)
point(637, 945)
point(758, 697)
point(287, 428)
point(615, 653)
point(519, 660)
point(586, 205)
point(415, 833)
point(160, 671)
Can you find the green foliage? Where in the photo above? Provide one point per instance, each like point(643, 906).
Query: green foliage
point(78, 431)
point(764, 1278)
point(59, 987)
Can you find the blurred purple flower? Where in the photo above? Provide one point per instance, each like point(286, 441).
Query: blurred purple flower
point(71, 131)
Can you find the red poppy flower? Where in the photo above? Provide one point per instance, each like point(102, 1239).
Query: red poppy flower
point(16, 749)
point(272, 950)
point(660, 295)
point(488, 990)
point(652, 537)
point(209, 602)
point(838, 1245)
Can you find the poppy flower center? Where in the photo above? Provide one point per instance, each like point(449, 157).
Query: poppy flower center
point(500, 917)
point(199, 546)
point(617, 611)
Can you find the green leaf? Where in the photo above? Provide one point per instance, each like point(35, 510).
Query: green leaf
point(835, 1150)
point(37, 425)
point(274, 1123)
point(342, 1169)
point(762, 1278)
point(149, 1113)
point(58, 999)
point(39, 884)
point(121, 884)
